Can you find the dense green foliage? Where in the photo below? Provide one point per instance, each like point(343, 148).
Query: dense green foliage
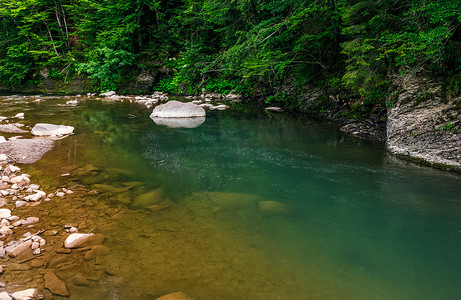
point(252, 47)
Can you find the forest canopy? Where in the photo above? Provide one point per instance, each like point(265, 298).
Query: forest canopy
point(251, 47)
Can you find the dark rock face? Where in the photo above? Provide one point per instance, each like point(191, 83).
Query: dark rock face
point(424, 125)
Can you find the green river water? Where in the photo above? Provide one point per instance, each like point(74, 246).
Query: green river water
point(352, 222)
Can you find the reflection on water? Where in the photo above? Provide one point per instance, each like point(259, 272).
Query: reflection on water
point(251, 206)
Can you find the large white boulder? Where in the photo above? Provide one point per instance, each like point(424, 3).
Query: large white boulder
point(51, 129)
point(176, 109)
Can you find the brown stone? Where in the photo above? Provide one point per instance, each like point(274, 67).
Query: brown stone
point(37, 263)
point(79, 280)
point(96, 251)
point(55, 285)
point(63, 251)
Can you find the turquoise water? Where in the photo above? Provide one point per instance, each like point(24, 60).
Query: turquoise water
point(356, 222)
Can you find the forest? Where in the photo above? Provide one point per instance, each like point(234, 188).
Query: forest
point(351, 48)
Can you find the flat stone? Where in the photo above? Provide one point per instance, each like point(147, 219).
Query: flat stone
point(176, 296)
point(274, 108)
point(11, 128)
point(150, 198)
point(55, 285)
point(30, 220)
point(28, 294)
point(63, 251)
point(44, 129)
point(78, 240)
point(37, 263)
point(176, 109)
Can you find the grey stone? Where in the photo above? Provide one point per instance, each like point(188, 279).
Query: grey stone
point(44, 129)
point(176, 109)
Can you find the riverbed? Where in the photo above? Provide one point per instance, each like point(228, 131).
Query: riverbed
point(249, 205)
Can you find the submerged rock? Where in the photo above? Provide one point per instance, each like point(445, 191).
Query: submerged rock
point(55, 285)
point(44, 129)
point(149, 198)
point(176, 296)
point(234, 200)
point(96, 251)
point(273, 207)
point(176, 109)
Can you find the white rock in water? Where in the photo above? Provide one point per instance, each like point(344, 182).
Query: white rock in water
point(30, 220)
point(108, 94)
point(72, 102)
point(35, 197)
point(273, 108)
point(5, 296)
point(20, 203)
point(75, 239)
point(176, 109)
point(29, 294)
point(51, 129)
point(20, 248)
point(14, 169)
point(5, 213)
point(35, 245)
point(2, 139)
point(5, 230)
point(19, 115)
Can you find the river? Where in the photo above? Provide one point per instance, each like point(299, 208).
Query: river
point(256, 206)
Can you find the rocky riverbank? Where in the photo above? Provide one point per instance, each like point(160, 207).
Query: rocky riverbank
point(53, 237)
point(424, 124)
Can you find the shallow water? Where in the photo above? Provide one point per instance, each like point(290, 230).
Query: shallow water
point(352, 222)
